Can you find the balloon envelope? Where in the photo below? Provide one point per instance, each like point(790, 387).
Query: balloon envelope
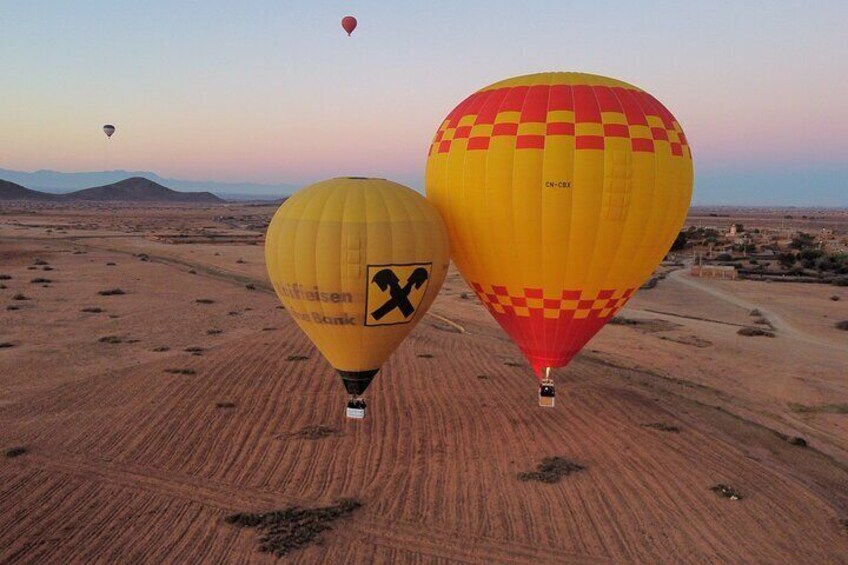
point(108, 129)
point(349, 24)
point(561, 192)
point(357, 262)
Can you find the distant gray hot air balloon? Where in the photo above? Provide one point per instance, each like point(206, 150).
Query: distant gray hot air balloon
point(108, 129)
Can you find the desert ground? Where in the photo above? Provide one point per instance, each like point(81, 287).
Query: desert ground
point(133, 423)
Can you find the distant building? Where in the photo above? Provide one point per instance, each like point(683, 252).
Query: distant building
point(732, 232)
point(714, 271)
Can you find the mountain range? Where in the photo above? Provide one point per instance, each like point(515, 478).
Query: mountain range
point(134, 189)
point(59, 182)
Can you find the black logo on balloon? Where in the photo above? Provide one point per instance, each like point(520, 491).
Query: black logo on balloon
point(395, 292)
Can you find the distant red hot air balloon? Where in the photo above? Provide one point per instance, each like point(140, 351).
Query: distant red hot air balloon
point(349, 24)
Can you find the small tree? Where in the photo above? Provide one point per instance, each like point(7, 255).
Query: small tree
point(680, 242)
point(809, 257)
point(802, 241)
point(786, 260)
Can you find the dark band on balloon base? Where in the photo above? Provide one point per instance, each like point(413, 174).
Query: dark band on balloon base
point(356, 382)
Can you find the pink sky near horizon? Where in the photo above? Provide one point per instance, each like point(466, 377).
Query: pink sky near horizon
point(277, 94)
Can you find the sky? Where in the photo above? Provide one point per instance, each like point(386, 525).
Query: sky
point(273, 91)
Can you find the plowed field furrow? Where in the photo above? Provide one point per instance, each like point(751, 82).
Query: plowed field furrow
point(458, 545)
point(128, 463)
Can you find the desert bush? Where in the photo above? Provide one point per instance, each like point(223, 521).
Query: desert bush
point(297, 358)
point(843, 325)
point(835, 298)
point(16, 452)
point(40, 262)
point(6, 344)
point(161, 349)
point(113, 339)
point(551, 470)
point(181, 371)
point(5, 277)
point(20, 296)
point(40, 280)
point(111, 292)
point(314, 432)
point(293, 528)
point(818, 408)
point(250, 286)
point(662, 427)
point(92, 310)
point(213, 332)
point(205, 301)
point(751, 332)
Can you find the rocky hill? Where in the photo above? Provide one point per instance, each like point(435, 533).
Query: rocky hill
point(12, 191)
point(139, 189)
point(135, 189)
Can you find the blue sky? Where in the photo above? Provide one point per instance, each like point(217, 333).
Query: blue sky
point(274, 91)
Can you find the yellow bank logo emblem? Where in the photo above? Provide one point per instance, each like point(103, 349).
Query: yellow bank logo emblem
point(395, 292)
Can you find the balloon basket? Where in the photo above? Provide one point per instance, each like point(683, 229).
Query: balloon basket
point(355, 409)
point(547, 394)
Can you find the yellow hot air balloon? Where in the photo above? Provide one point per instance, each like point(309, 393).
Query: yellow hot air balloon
point(357, 262)
point(561, 192)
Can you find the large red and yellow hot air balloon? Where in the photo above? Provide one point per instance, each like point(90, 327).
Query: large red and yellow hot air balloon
point(357, 263)
point(561, 192)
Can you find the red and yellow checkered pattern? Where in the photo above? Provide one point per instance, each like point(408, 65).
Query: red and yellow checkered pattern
point(531, 302)
point(588, 113)
point(561, 193)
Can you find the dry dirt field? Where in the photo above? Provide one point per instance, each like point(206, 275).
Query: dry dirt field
point(148, 417)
